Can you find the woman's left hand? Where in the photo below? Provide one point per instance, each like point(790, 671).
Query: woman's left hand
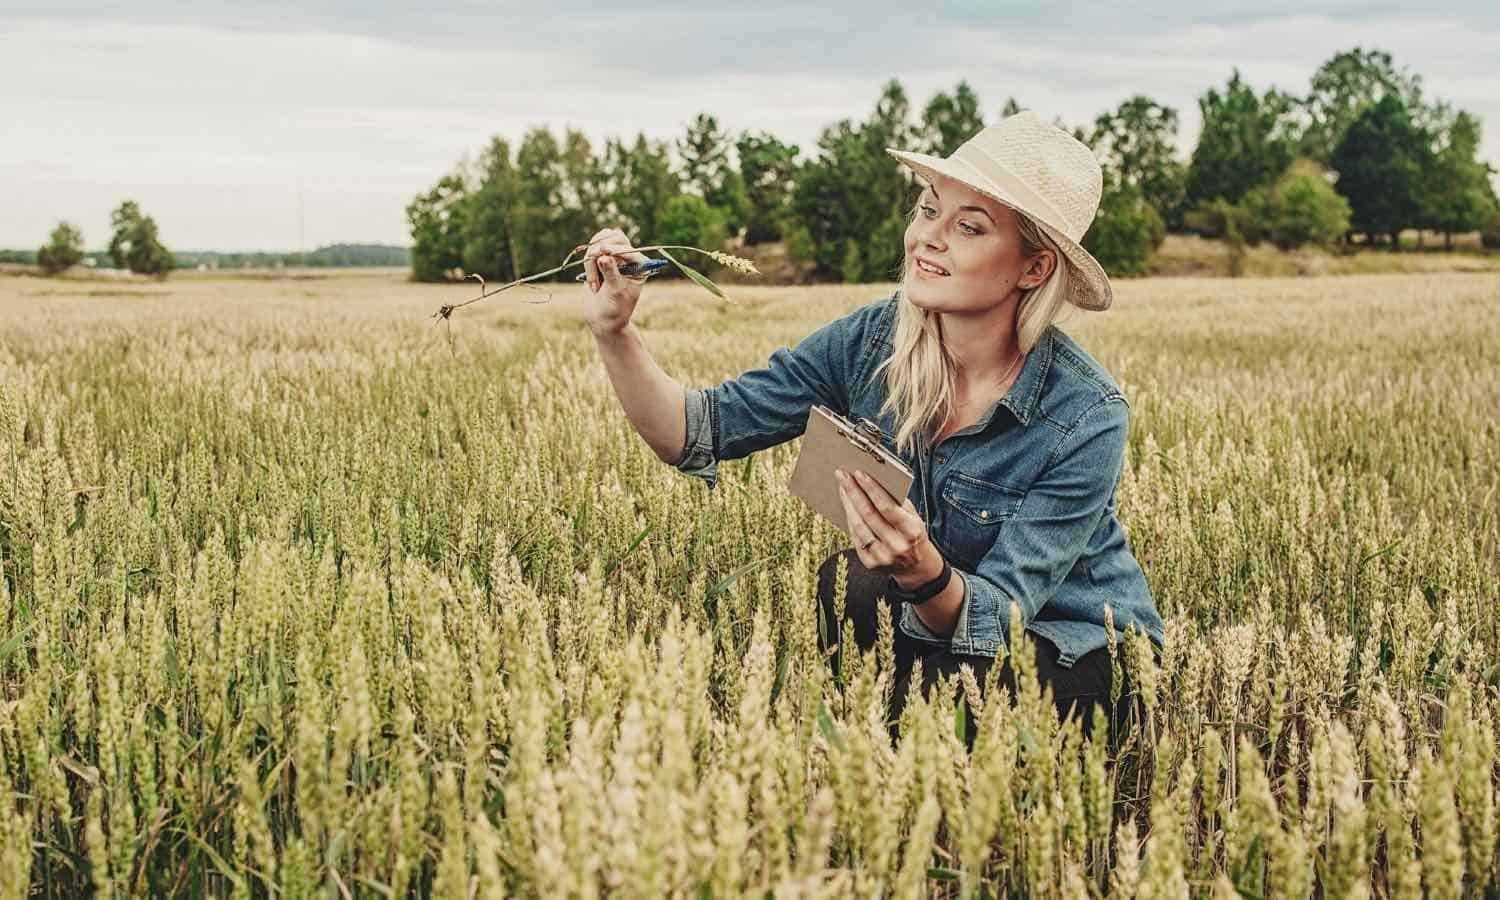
point(889, 536)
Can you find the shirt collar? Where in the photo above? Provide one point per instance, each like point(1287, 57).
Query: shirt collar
point(1026, 392)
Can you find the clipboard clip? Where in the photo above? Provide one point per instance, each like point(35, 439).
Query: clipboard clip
point(870, 430)
point(869, 437)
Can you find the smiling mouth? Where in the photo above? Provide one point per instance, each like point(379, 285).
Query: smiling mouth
point(930, 268)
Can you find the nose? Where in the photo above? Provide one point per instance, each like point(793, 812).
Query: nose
point(929, 234)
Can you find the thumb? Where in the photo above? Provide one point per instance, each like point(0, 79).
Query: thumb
point(609, 270)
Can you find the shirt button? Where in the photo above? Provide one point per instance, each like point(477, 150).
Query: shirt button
point(942, 459)
point(984, 514)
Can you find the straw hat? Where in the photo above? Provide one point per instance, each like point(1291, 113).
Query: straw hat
point(1043, 172)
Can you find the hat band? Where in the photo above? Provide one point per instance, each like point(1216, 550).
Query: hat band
point(1012, 185)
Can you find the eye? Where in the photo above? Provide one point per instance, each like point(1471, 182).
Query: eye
point(928, 211)
point(968, 229)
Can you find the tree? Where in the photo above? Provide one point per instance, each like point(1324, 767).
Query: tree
point(135, 245)
point(1457, 195)
point(1010, 108)
point(585, 189)
point(950, 119)
point(485, 224)
point(539, 179)
point(1381, 161)
point(852, 268)
point(1489, 232)
point(1302, 207)
point(1138, 142)
point(437, 228)
point(890, 123)
point(689, 219)
point(64, 248)
point(641, 182)
point(706, 169)
point(855, 191)
point(767, 171)
point(1345, 86)
point(1245, 142)
point(825, 201)
point(1125, 230)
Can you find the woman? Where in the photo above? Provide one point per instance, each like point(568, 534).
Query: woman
point(1016, 435)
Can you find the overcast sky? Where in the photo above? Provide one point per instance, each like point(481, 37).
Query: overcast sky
point(214, 115)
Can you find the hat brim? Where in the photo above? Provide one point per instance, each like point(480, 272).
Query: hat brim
point(1088, 284)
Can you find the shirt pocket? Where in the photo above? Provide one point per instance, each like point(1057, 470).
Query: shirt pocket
point(975, 509)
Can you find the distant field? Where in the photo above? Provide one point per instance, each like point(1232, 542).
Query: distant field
point(301, 598)
point(1189, 255)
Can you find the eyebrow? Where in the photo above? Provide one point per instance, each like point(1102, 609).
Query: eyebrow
point(978, 209)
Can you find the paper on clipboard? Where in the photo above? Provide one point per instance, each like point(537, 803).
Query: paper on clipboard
point(831, 442)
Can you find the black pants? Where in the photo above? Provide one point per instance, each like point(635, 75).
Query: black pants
point(1076, 689)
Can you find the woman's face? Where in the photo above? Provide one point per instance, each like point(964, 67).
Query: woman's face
point(975, 245)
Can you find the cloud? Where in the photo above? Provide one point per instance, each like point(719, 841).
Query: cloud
point(213, 114)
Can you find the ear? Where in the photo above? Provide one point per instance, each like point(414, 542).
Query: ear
point(1038, 269)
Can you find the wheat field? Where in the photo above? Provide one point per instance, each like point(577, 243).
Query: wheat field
point(305, 596)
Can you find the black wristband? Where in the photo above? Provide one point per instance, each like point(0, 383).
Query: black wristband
point(922, 593)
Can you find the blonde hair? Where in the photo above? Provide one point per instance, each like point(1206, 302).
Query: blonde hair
point(921, 372)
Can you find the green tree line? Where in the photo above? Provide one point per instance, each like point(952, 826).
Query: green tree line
point(332, 256)
point(1362, 155)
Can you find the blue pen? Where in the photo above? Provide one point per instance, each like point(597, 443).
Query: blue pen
point(643, 269)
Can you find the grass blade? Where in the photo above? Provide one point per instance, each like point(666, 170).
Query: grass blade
point(703, 280)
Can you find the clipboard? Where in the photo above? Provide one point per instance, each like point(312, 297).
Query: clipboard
point(830, 442)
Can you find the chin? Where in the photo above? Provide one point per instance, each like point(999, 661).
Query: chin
point(923, 296)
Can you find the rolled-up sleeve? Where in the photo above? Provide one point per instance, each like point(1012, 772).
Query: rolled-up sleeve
point(1037, 546)
point(698, 453)
point(769, 405)
point(913, 625)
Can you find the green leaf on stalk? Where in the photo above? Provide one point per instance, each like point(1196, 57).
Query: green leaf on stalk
point(734, 576)
point(14, 642)
point(628, 550)
point(703, 280)
point(781, 668)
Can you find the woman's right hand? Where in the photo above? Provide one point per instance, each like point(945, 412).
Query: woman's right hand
point(612, 296)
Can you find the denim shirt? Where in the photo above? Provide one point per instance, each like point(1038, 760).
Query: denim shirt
point(1021, 503)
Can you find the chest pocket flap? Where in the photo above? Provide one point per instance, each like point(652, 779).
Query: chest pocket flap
point(983, 502)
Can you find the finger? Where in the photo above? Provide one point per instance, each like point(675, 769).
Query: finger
point(601, 241)
point(878, 495)
point(590, 266)
point(607, 238)
point(611, 271)
point(598, 238)
point(859, 532)
point(916, 517)
point(905, 522)
point(618, 245)
point(872, 516)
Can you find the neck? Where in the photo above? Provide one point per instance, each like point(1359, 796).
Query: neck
point(985, 343)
